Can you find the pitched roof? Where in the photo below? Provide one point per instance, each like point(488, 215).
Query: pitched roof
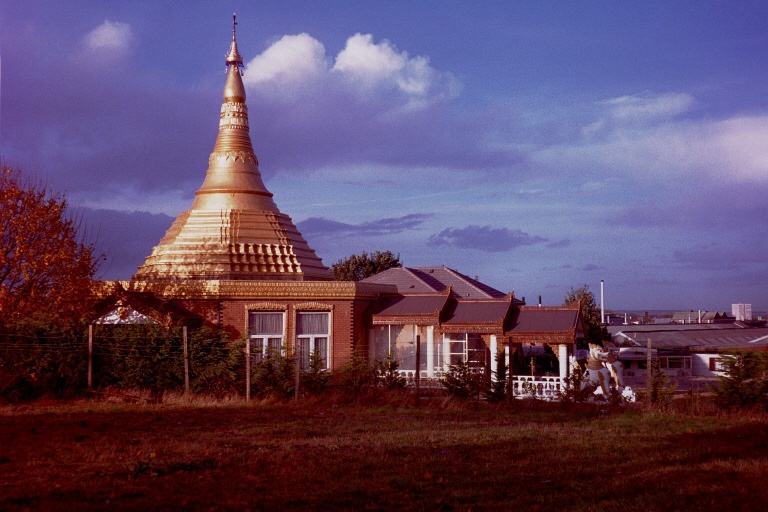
point(466, 312)
point(124, 307)
point(544, 319)
point(409, 305)
point(415, 280)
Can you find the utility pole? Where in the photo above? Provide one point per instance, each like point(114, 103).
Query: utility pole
point(602, 307)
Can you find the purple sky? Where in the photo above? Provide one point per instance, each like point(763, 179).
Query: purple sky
point(536, 145)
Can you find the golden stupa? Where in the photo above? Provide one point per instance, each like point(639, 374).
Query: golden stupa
point(233, 230)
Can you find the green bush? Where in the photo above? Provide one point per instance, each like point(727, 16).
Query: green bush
point(499, 389)
point(462, 381)
point(274, 376)
point(577, 387)
point(46, 360)
point(214, 361)
point(152, 357)
point(745, 382)
point(315, 378)
point(661, 391)
point(388, 373)
point(42, 360)
point(357, 376)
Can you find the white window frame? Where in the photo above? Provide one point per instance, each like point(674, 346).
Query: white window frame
point(420, 334)
point(263, 344)
point(685, 362)
point(313, 341)
point(463, 340)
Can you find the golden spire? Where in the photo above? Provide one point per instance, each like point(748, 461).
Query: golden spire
point(233, 229)
point(234, 90)
point(234, 58)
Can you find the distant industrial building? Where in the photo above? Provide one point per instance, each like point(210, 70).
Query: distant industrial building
point(742, 312)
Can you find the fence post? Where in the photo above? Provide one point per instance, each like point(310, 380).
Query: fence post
point(248, 368)
point(648, 373)
point(297, 356)
point(186, 361)
point(90, 356)
point(417, 376)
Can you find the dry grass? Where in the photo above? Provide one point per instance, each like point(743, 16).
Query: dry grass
point(227, 455)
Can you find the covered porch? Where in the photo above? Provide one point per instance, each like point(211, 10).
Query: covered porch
point(540, 345)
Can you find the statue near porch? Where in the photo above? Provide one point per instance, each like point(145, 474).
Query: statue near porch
point(617, 370)
point(599, 375)
point(603, 364)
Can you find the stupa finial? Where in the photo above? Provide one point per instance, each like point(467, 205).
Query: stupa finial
point(234, 58)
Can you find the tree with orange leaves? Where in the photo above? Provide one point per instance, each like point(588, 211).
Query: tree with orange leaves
point(45, 269)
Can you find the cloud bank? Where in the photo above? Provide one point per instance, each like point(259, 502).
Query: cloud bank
point(319, 226)
point(484, 238)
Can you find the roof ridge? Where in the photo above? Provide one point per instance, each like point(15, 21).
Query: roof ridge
point(469, 281)
point(416, 276)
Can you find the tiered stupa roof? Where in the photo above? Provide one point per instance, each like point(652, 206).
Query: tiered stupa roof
point(233, 230)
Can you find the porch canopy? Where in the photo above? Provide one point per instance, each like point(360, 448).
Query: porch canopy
point(422, 309)
point(545, 325)
point(481, 316)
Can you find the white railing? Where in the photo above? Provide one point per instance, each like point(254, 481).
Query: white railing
point(547, 388)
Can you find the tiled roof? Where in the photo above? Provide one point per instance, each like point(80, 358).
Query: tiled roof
point(543, 319)
point(435, 279)
point(409, 305)
point(477, 312)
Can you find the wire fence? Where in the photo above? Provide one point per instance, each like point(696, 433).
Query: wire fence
point(159, 360)
point(156, 360)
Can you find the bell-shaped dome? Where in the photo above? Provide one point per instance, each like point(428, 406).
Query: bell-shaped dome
point(233, 230)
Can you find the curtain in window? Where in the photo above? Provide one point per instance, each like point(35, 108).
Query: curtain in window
point(321, 347)
point(304, 351)
point(312, 323)
point(308, 346)
point(274, 346)
point(257, 349)
point(266, 323)
point(380, 341)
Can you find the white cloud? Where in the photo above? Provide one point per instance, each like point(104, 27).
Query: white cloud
point(297, 65)
point(685, 152)
point(639, 109)
point(111, 36)
point(291, 59)
point(374, 64)
point(648, 106)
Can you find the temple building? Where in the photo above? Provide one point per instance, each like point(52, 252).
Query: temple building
point(236, 262)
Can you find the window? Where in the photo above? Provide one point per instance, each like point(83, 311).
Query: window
point(459, 348)
point(716, 364)
point(266, 332)
point(399, 342)
point(313, 332)
point(675, 363)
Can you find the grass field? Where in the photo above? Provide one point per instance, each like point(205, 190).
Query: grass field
point(90, 455)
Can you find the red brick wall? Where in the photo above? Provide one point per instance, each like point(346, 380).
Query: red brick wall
point(347, 323)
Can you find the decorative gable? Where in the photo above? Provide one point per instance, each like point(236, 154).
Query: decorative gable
point(122, 314)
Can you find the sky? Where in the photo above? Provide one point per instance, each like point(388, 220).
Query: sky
point(536, 145)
